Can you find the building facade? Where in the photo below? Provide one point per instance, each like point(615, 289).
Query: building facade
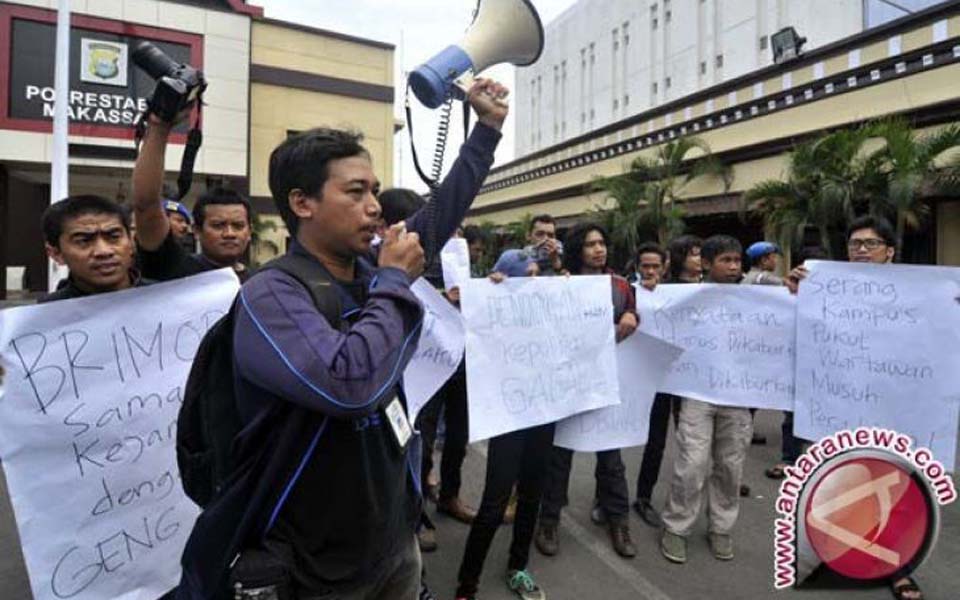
point(606, 60)
point(266, 79)
point(906, 67)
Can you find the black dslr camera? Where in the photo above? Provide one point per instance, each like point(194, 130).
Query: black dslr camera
point(178, 86)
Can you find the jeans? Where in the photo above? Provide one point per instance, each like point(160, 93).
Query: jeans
point(399, 580)
point(663, 405)
point(791, 447)
point(519, 457)
point(611, 478)
point(453, 397)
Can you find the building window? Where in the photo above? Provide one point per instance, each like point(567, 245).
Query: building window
point(763, 42)
point(593, 56)
point(653, 88)
point(719, 61)
point(667, 82)
point(616, 104)
point(703, 67)
point(667, 13)
point(626, 100)
point(626, 33)
point(616, 40)
point(653, 17)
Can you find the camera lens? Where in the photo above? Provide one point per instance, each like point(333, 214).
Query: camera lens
point(152, 60)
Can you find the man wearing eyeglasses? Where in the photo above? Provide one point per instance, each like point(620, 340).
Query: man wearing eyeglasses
point(869, 240)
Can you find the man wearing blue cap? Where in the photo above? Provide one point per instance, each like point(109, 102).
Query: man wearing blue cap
point(764, 258)
point(180, 224)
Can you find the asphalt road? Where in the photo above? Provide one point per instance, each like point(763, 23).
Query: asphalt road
point(587, 568)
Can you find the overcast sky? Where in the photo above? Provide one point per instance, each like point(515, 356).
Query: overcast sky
point(419, 29)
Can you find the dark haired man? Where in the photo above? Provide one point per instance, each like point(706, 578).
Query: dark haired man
point(870, 239)
point(652, 263)
point(221, 219)
point(543, 254)
point(586, 254)
point(181, 224)
point(328, 491)
point(708, 431)
point(91, 236)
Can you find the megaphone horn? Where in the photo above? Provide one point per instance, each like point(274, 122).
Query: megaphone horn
point(504, 31)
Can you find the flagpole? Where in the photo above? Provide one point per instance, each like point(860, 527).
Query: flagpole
point(59, 161)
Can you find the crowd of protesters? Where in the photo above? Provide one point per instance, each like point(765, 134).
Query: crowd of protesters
point(317, 381)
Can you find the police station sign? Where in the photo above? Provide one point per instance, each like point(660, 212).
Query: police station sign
point(107, 91)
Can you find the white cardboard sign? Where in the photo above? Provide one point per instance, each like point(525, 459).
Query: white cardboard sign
point(879, 345)
point(738, 341)
point(642, 363)
point(539, 349)
point(439, 351)
point(88, 415)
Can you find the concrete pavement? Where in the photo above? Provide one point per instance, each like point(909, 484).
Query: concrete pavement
point(587, 568)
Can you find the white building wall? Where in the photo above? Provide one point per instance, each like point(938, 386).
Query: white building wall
point(623, 57)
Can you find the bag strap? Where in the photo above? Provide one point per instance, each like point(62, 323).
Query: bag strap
point(318, 281)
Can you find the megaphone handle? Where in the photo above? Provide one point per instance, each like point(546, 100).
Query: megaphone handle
point(461, 87)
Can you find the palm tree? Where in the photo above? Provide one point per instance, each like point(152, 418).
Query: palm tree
point(516, 232)
point(648, 193)
point(259, 242)
point(826, 180)
point(906, 168)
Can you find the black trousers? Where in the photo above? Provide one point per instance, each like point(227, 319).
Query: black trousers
point(452, 398)
point(519, 457)
point(663, 406)
point(611, 491)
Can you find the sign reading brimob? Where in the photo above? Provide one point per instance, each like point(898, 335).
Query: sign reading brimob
point(439, 351)
point(642, 363)
point(88, 415)
point(879, 345)
point(538, 350)
point(738, 341)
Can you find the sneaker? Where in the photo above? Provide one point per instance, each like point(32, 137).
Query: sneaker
point(673, 547)
point(453, 507)
point(547, 541)
point(427, 538)
point(620, 538)
point(425, 592)
point(522, 584)
point(648, 513)
point(722, 546)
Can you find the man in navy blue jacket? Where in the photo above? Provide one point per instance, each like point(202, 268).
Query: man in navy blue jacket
point(326, 484)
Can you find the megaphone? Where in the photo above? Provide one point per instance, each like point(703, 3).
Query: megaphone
point(503, 31)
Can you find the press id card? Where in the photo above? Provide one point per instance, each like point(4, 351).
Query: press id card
point(399, 422)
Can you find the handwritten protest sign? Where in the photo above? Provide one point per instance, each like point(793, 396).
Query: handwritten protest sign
point(88, 415)
point(455, 262)
point(439, 351)
point(642, 363)
point(538, 350)
point(879, 345)
point(738, 342)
